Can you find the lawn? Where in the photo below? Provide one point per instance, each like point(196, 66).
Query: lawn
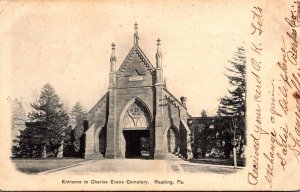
point(216, 161)
point(208, 169)
point(33, 166)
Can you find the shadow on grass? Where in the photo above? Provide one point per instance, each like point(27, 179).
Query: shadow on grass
point(216, 161)
point(34, 166)
point(208, 169)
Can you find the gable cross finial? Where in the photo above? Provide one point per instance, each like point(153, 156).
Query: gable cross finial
point(136, 34)
point(158, 42)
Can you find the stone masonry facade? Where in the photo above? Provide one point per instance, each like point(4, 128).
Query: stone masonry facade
point(138, 116)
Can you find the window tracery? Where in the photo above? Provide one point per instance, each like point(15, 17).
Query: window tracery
point(135, 117)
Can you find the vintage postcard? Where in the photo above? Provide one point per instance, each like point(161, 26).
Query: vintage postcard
point(149, 95)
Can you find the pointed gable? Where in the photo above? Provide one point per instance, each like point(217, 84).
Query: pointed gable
point(135, 64)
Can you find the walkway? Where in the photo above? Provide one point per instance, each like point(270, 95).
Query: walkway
point(172, 164)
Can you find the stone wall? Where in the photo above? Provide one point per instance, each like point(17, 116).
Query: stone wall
point(97, 119)
point(135, 80)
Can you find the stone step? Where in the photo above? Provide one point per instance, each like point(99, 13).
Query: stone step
point(98, 156)
point(173, 157)
point(94, 156)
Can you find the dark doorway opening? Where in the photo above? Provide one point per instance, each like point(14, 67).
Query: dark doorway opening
point(102, 141)
point(137, 143)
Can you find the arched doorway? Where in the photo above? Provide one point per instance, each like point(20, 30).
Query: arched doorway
point(102, 141)
point(171, 140)
point(135, 127)
point(171, 135)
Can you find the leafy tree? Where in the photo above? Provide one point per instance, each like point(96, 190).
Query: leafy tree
point(43, 134)
point(233, 105)
point(78, 115)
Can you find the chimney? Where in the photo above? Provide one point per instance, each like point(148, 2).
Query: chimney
point(183, 100)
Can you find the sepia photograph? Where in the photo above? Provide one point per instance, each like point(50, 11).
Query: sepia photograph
point(140, 95)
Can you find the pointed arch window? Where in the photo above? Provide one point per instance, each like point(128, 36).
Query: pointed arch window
point(135, 117)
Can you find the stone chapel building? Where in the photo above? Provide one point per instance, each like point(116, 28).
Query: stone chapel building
point(138, 117)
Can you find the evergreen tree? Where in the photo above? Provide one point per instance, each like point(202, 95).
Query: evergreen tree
point(43, 134)
point(69, 143)
point(18, 124)
point(233, 105)
point(78, 115)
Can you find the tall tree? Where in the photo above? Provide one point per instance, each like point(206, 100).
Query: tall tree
point(43, 134)
point(68, 149)
point(18, 123)
point(78, 115)
point(233, 105)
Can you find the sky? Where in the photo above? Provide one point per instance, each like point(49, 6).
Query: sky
point(69, 45)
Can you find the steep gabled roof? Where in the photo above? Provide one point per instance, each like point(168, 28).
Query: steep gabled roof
point(185, 126)
point(91, 113)
point(126, 62)
point(175, 99)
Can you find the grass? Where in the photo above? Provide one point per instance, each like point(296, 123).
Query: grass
point(216, 161)
point(33, 166)
point(208, 169)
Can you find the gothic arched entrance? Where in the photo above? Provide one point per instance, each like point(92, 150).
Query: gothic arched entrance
point(102, 141)
point(135, 127)
point(171, 135)
point(171, 140)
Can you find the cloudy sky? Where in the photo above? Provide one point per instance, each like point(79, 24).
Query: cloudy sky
point(69, 46)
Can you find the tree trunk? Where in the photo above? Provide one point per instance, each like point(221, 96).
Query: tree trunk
point(234, 157)
point(44, 152)
point(234, 145)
